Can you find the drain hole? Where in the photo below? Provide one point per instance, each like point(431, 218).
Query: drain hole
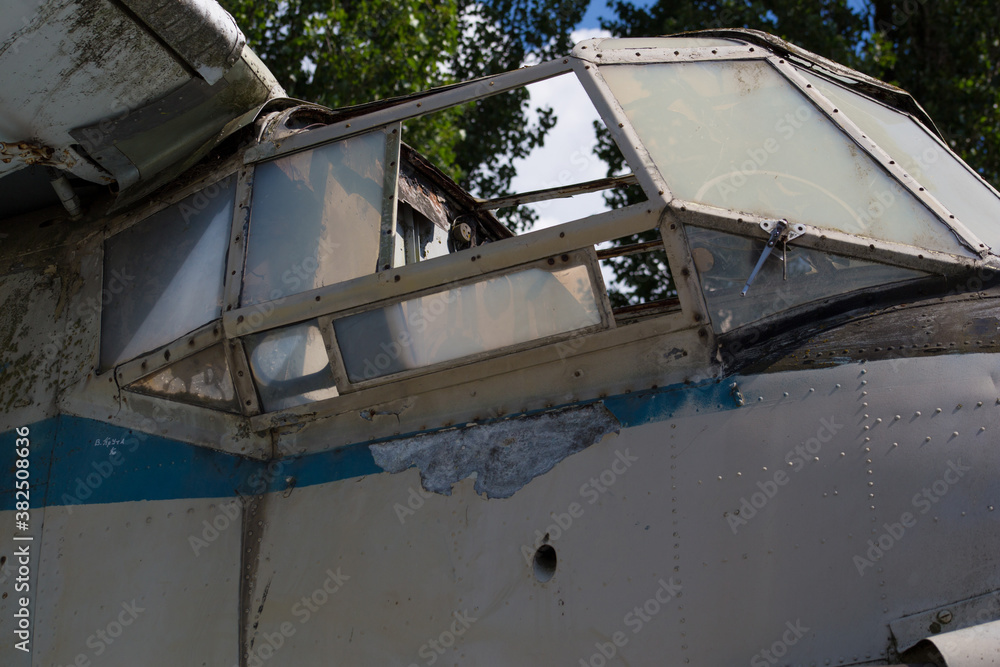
point(545, 563)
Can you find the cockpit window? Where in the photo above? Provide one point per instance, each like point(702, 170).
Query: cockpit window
point(201, 379)
point(500, 312)
point(738, 135)
point(725, 260)
point(163, 276)
point(290, 366)
point(315, 218)
point(935, 168)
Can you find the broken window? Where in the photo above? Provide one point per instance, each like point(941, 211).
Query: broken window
point(725, 261)
point(315, 218)
point(163, 276)
point(739, 136)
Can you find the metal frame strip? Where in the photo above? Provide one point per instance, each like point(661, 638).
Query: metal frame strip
point(198, 340)
point(410, 279)
point(387, 233)
point(411, 107)
point(236, 258)
point(584, 257)
point(895, 171)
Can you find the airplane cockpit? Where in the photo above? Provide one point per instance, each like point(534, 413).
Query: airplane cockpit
point(261, 348)
point(315, 255)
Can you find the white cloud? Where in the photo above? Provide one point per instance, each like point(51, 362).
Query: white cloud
point(567, 156)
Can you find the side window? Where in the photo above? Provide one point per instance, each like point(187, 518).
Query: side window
point(315, 218)
point(163, 276)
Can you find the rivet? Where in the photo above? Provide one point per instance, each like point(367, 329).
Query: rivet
point(979, 404)
point(837, 386)
point(954, 434)
point(927, 439)
point(917, 413)
point(864, 382)
point(937, 410)
point(895, 444)
point(811, 390)
point(843, 454)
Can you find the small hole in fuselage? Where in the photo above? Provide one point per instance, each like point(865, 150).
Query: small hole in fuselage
point(545, 563)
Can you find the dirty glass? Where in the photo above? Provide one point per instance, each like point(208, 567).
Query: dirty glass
point(738, 135)
point(451, 324)
point(315, 218)
point(923, 157)
point(290, 366)
point(201, 379)
point(163, 276)
point(724, 262)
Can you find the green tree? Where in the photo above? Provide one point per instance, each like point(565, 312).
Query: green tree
point(340, 54)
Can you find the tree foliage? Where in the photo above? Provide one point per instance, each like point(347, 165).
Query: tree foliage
point(339, 54)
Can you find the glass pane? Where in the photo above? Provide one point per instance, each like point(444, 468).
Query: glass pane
point(913, 148)
point(201, 379)
point(488, 315)
point(315, 218)
point(738, 135)
point(290, 366)
point(163, 276)
point(724, 263)
point(665, 42)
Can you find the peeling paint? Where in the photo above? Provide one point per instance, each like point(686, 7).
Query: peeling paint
point(504, 456)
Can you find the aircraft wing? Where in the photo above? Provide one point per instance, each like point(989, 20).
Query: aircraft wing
point(124, 92)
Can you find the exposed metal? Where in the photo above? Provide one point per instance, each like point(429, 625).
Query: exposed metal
point(558, 192)
point(503, 456)
point(401, 109)
point(387, 238)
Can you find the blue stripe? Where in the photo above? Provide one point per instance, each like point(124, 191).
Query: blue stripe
point(81, 461)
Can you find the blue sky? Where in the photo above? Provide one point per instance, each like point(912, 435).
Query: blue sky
point(599, 9)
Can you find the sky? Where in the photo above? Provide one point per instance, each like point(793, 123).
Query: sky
point(567, 155)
